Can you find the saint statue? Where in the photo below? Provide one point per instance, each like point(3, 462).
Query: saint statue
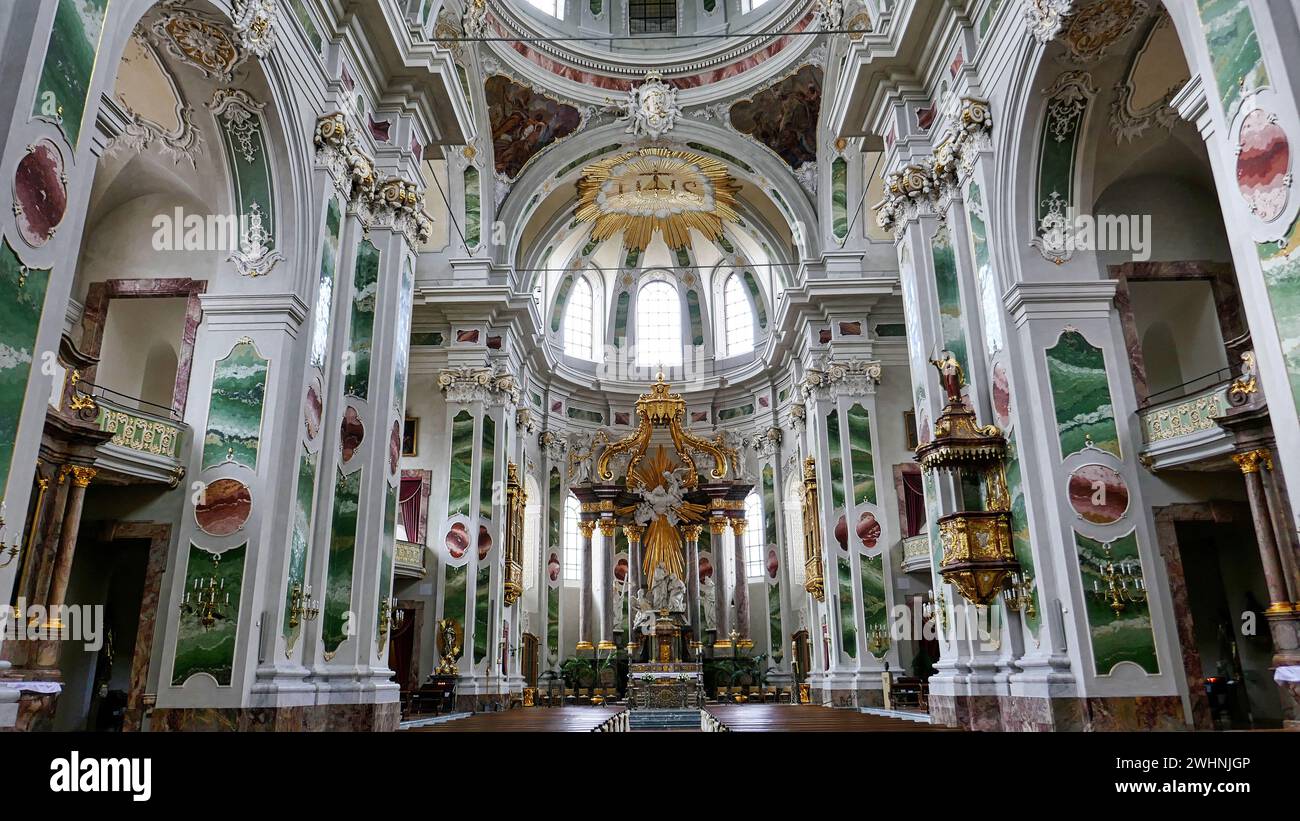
point(708, 597)
point(951, 376)
point(668, 592)
point(643, 613)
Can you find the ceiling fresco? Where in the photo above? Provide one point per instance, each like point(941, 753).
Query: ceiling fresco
point(784, 117)
point(523, 123)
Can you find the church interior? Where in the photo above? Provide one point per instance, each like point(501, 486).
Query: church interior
point(620, 365)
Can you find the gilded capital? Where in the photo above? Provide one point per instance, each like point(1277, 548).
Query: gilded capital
point(1250, 461)
point(586, 527)
point(608, 527)
point(81, 476)
point(633, 532)
point(692, 532)
point(738, 526)
point(718, 525)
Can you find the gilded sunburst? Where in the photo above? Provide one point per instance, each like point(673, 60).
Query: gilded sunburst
point(656, 189)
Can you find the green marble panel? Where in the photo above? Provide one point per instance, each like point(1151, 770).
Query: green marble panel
point(242, 136)
point(697, 317)
point(726, 244)
point(300, 536)
point(22, 300)
point(990, 305)
point(588, 248)
point(487, 468)
point(1281, 265)
point(70, 56)
point(482, 606)
point(473, 208)
point(403, 338)
point(860, 461)
point(387, 549)
point(986, 19)
point(462, 464)
point(1230, 35)
point(931, 492)
point(1058, 151)
point(590, 155)
point(837, 462)
point(848, 625)
point(840, 199)
point(365, 290)
point(584, 415)
point(875, 609)
point(1021, 540)
point(555, 514)
point(553, 624)
point(1081, 393)
point(561, 300)
point(456, 594)
point(235, 409)
point(620, 318)
point(683, 257)
point(769, 506)
point(210, 650)
point(337, 616)
point(949, 293)
point(776, 636)
point(756, 296)
point(429, 339)
point(329, 257)
point(304, 19)
point(736, 412)
point(1116, 637)
point(633, 257)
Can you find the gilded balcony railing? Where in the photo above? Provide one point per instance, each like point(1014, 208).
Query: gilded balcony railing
point(1185, 415)
point(916, 552)
point(139, 431)
point(409, 557)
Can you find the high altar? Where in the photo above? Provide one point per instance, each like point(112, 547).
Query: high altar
point(650, 484)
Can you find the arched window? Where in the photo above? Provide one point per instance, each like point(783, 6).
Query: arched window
point(572, 541)
point(738, 317)
point(555, 8)
point(658, 326)
point(754, 547)
point(580, 320)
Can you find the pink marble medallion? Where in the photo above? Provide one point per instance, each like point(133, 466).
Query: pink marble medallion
point(868, 529)
point(620, 569)
point(312, 409)
point(553, 568)
point(1263, 161)
point(773, 562)
point(484, 542)
point(395, 446)
point(1098, 494)
point(224, 507)
point(1001, 396)
point(352, 431)
point(40, 193)
point(457, 540)
point(706, 567)
point(842, 532)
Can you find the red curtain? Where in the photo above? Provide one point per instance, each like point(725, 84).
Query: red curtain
point(409, 500)
point(913, 503)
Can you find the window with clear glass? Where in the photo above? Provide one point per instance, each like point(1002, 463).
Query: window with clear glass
point(754, 547)
point(555, 8)
point(738, 317)
point(747, 6)
point(652, 16)
point(579, 320)
point(572, 541)
point(658, 326)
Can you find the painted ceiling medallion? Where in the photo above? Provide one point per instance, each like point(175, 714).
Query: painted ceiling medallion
point(1263, 163)
point(656, 190)
point(1098, 494)
point(201, 41)
point(40, 192)
point(651, 108)
point(224, 507)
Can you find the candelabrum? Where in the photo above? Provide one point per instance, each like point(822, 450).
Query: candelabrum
point(8, 552)
point(936, 607)
point(1019, 593)
point(206, 600)
point(877, 639)
point(1120, 583)
point(390, 615)
point(302, 607)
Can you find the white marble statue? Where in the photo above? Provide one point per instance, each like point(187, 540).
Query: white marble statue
point(708, 597)
point(662, 500)
point(643, 614)
point(668, 592)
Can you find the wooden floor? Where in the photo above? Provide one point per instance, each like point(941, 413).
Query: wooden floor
point(786, 718)
point(531, 720)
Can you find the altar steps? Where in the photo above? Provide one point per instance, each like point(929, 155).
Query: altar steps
point(664, 720)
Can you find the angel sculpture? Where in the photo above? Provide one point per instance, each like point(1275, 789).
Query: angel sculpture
point(643, 613)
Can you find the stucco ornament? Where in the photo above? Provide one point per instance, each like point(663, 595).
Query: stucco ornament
point(651, 108)
point(254, 22)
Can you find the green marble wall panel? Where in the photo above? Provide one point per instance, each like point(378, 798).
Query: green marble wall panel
point(840, 198)
point(365, 290)
point(473, 208)
point(561, 300)
point(1281, 266)
point(683, 257)
point(430, 339)
point(875, 610)
point(769, 506)
point(387, 549)
point(210, 650)
point(590, 155)
point(1058, 146)
point(336, 619)
point(931, 492)
point(235, 409)
point(848, 626)
point(304, 19)
point(553, 624)
point(1081, 393)
point(860, 462)
point(461, 464)
point(329, 256)
point(755, 295)
point(1116, 638)
point(949, 293)
point(986, 19)
point(242, 136)
point(718, 152)
point(836, 463)
point(1021, 541)
point(696, 315)
point(555, 514)
point(633, 256)
point(70, 57)
point(300, 536)
point(620, 318)
point(990, 305)
point(735, 413)
point(1234, 49)
point(482, 606)
point(725, 244)
point(403, 337)
point(584, 415)
point(22, 301)
point(456, 594)
point(487, 467)
point(776, 636)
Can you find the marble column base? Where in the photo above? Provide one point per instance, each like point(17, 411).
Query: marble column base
point(34, 713)
point(1094, 714)
point(315, 718)
point(969, 712)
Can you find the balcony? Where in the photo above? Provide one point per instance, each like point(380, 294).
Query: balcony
point(408, 560)
point(916, 553)
point(1179, 426)
point(148, 440)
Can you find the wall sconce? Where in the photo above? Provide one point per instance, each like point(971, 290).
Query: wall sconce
point(1123, 582)
point(8, 551)
point(302, 607)
point(206, 600)
point(1019, 594)
point(877, 640)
